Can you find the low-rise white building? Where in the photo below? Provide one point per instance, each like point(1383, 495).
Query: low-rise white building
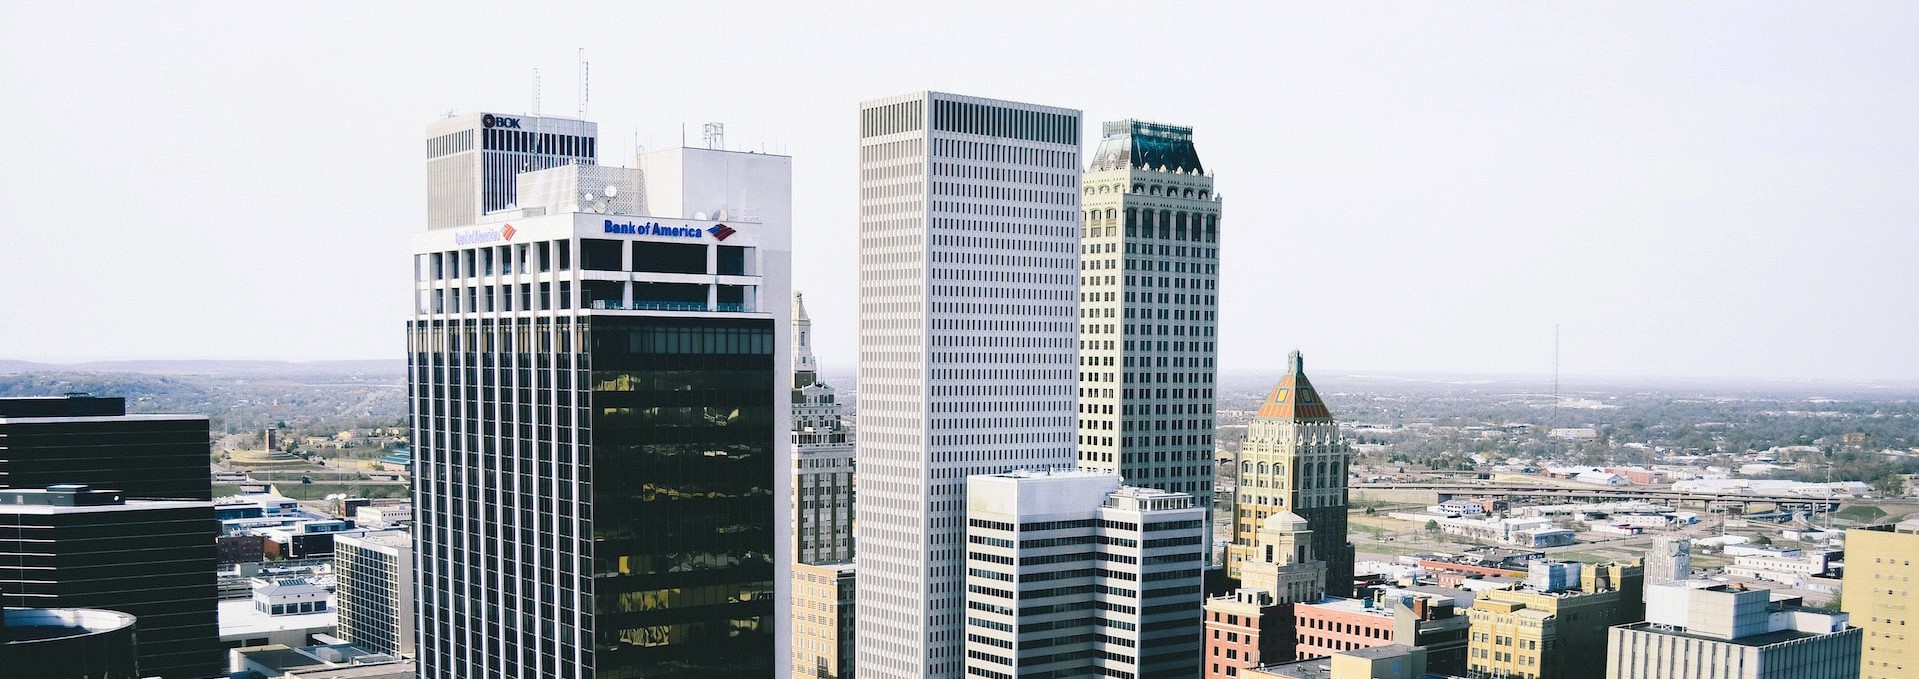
point(1716, 631)
point(281, 611)
point(1511, 530)
point(1603, 478)
point(1458, 508)
point(1775, 487)
point(381, 517)
point(1792, 571)
point(1069, 571)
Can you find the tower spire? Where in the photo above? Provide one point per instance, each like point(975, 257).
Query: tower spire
point(805, 368)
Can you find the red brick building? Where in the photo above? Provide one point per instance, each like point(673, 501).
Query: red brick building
point(1246, 629)
point(1394, 617)
point(1339, 625)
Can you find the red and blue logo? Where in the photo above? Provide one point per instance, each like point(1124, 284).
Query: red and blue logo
point(720, 231)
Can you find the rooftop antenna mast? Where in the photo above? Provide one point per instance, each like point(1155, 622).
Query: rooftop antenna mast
point(584, 78)
point(526, 163)
point(715, 135)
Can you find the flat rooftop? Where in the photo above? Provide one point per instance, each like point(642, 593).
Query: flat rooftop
point(1766, 639)
point(1333, 603)
point(238, 618)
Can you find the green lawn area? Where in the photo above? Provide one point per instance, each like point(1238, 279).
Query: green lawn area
point(1860, 513)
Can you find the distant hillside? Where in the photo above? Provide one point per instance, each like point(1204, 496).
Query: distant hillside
point(394, 367)
point(236, 395)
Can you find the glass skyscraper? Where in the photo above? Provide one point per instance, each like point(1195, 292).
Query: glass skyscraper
point(599, 408)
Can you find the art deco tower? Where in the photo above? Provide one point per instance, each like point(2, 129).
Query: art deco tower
point(1149, 267)
point(822, 458)
point(1294, 460)
point(969, 215)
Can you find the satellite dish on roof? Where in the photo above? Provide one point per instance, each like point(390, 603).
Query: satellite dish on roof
point(586, 195)
point(600, 206)
point(612, 190)
point(719, 216)
point(701, 216)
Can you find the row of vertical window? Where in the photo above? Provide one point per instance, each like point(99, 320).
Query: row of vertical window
point(503, 260)
point(891, 118)
point(544, 143)
point(448, 144)
point(1176, 225)
point(595, 255)
point(1000, 121)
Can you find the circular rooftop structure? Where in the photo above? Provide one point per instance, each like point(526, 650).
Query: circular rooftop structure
point(56, 643)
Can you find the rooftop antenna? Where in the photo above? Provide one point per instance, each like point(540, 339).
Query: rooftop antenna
point(526, 162)
point(583, 83)
point(715, 135)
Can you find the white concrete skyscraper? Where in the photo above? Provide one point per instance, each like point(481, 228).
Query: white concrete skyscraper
point(1149, 269)
point(969, 241)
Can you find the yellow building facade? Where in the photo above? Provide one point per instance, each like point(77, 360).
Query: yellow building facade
point(1881, 576)
point(823, 646)
point(1534, 634)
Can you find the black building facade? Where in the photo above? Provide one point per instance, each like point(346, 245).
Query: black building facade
point(92, 440)
point(75, 547)
point(596, 496)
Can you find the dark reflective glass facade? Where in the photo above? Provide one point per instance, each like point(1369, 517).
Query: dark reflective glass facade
point(683, 497)
point(595, 497)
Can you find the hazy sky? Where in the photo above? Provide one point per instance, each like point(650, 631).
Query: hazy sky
point(1687, 189)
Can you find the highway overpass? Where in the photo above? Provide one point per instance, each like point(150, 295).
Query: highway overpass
point(1561, 494)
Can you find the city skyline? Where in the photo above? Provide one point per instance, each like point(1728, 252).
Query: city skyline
point(1684, 192)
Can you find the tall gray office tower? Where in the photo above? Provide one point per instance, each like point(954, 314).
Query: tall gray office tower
point(969, 216)
point(599, 406)
point(474, 161)
point(1148, 309)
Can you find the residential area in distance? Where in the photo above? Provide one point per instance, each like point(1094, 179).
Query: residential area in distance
point(1460, 488)
point(1760, 478)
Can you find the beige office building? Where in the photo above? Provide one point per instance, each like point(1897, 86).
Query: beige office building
point(823, 621)
point(1880, 575)
point(1555, 627)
